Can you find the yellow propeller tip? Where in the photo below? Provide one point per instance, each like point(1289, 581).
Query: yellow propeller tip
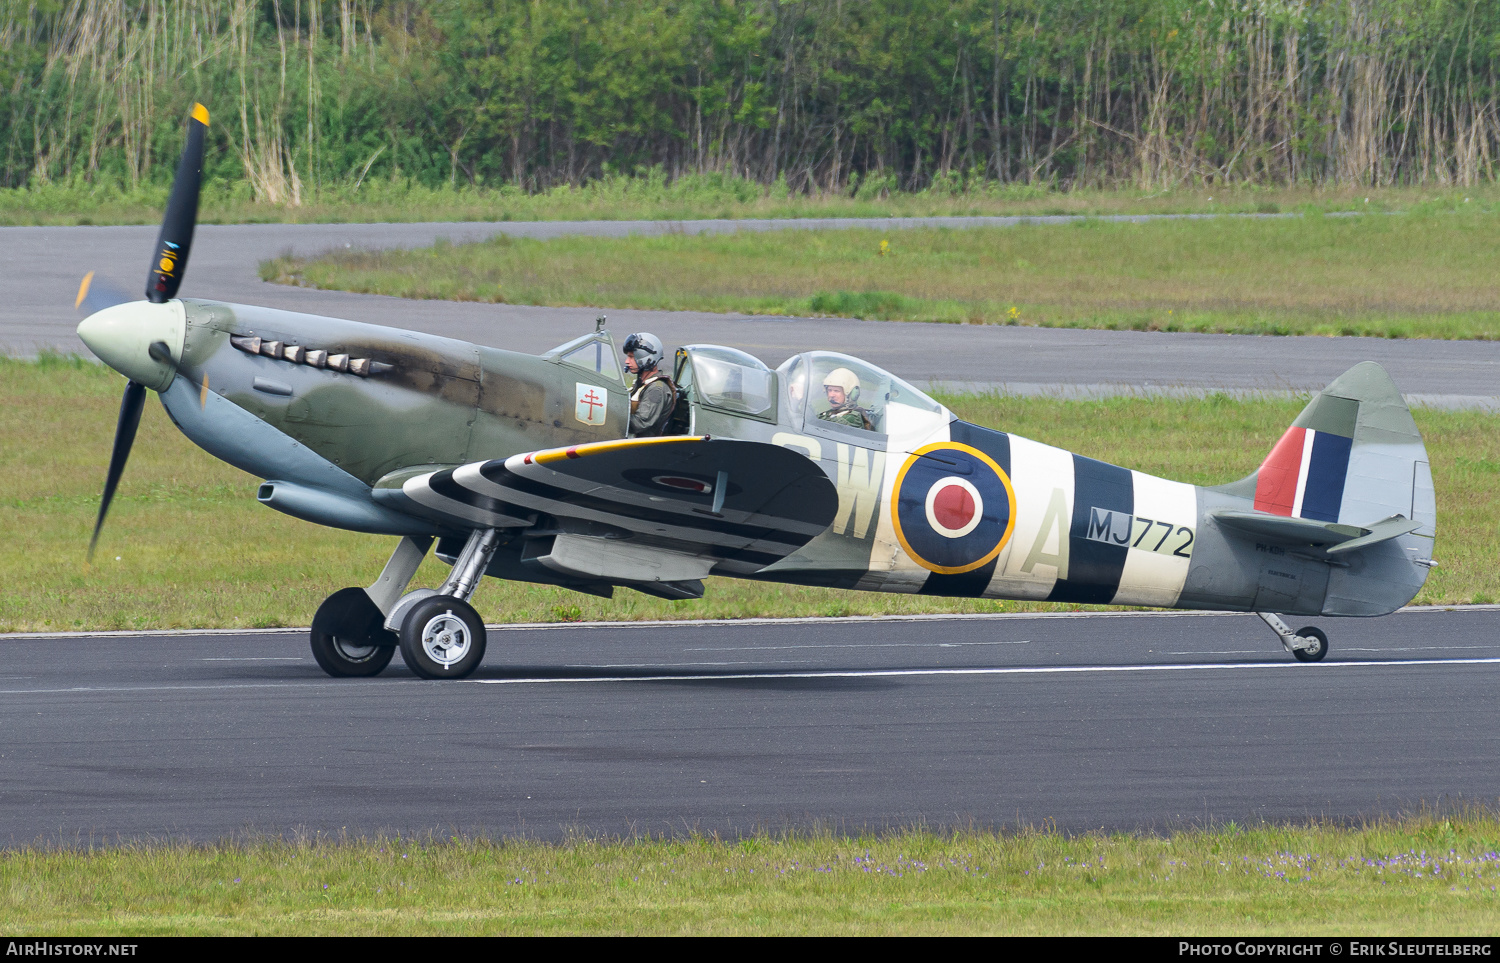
point(200, 114)
point(83, 289)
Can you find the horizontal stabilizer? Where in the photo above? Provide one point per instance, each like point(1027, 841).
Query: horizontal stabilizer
point(1332, 537)
point(1379, 532)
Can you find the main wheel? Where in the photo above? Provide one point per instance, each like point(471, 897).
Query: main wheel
point(1316, 653)
point(348, 637)
point(442, 638)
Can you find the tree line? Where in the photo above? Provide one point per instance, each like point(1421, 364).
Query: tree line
point(819, 95)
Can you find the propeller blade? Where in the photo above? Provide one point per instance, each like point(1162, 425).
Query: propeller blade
point(176, 237)
point(130, 420)
point(96, 294)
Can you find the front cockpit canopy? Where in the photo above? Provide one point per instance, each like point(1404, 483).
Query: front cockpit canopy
point(592, 352)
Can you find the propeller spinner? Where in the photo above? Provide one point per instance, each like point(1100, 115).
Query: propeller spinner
point(143, 340)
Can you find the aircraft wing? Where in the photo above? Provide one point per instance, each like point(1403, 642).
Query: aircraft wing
point(653, 508)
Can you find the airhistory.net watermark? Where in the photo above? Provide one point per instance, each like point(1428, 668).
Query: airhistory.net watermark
point(61, 948)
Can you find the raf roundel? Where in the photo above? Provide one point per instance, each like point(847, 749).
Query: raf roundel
point(954, 508)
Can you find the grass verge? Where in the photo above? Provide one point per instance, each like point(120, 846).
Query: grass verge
point(1419, 275)
point(187, 545)
point(652, 196)
point(1425, 875)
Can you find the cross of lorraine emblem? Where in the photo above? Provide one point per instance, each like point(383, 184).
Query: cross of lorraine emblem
point(590, 403)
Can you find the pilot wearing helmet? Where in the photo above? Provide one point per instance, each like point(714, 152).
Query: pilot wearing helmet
point(653, 396)
point(841, 388)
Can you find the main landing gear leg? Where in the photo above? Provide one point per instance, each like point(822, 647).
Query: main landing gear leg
point(442, 637)
point(349, 637)
point(1307, 644)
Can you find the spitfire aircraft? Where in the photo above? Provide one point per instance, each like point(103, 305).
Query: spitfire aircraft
point(521, 467)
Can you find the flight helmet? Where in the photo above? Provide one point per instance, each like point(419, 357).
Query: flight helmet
point(845, 379)
point(645, 348)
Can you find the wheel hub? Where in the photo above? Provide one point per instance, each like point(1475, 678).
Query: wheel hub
point(445, 639)
point(352, 651)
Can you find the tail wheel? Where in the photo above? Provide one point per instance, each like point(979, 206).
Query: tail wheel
point(442, 638)
point(1316, 653)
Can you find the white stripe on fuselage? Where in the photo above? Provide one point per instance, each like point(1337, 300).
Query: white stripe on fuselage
point(1155, 577)
point(891, 569)
point(1037, 554)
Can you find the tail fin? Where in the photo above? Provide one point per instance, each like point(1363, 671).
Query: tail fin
point(1354, 457)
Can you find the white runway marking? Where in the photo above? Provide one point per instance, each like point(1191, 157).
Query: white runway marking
point(255, 658)
point(1348, 648)
point(1037, 670)
point(754, 676)
point(210, 687)
point(1416, 648)
point(856, 645)
point(678, 665)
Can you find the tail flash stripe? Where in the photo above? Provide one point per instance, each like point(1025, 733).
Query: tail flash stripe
point(1324, 490)
point(1276, 484)
point(1307, 447)
point(1304, 475)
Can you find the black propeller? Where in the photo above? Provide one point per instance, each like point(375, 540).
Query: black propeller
point(168, 263)
point(130, 420)
point(176, 237)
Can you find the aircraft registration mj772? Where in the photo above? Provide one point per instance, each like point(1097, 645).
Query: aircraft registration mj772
point(520, 467)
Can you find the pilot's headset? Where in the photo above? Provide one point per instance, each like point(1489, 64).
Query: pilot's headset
point(645, 348)
point(846, 379)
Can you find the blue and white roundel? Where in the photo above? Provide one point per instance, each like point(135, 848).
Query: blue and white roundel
point(954, 508)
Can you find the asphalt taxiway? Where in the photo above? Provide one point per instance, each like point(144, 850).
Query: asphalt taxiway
point(1141, 722)
point(42, 267)
point(1116, 721)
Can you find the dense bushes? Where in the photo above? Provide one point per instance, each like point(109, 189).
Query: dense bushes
point(848, 95)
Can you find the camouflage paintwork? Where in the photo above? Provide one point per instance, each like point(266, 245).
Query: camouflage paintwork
point(1064, 528)
point(443, 402)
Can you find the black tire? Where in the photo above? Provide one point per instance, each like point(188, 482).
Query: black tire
point(1312, 655)
point(349, 639)
point(442, 638)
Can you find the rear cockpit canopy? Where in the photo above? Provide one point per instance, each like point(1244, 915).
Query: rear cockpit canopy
point(892, 405)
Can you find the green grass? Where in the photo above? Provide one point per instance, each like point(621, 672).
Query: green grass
point(187, 545)
point(694, 196)
point(1418, 876)
point(1416, 275)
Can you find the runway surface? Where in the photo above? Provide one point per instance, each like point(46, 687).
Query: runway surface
point(43, 265)
point(1134, 722)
